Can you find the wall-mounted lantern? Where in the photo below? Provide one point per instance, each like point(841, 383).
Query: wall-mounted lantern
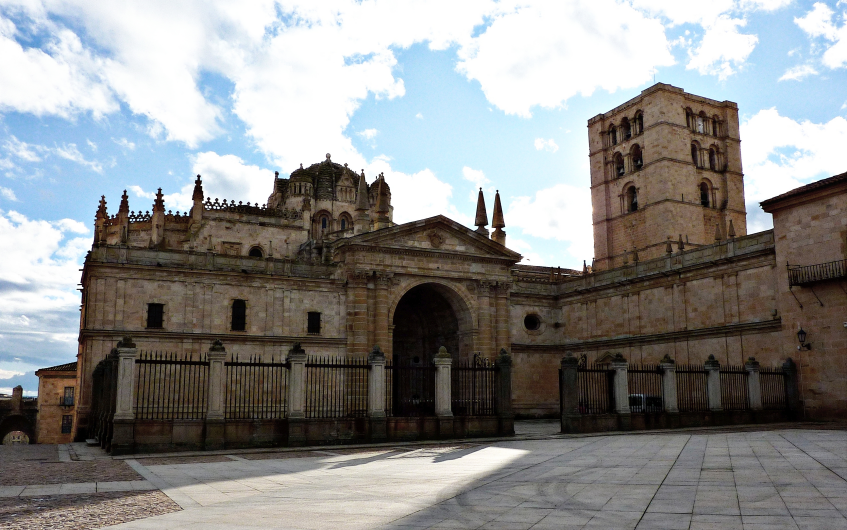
point(801, 336)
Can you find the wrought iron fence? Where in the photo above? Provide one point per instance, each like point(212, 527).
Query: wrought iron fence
point(336, 387)
point(646, 393)
point(734, 388)
point(170, 386)
point(255, 390)
point(412, 388)
point(472, 387)
point(692, 393)
point(772, 382)
point(595, 384)
point(799, 275)
point(103, 399)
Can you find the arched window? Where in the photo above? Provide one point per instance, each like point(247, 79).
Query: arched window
point(324, 223)
point(631, 199)
point(239, 315)
point(626, 129)
point(715, 126)
point(619, 167)
point(701, 123)
point(613, 135)
point(639, 122)
point(637, 159)
point(256, 252)
point(713, 159)
point(695, 154)
point(689, 118)
point(345, 221)
point(704, 195)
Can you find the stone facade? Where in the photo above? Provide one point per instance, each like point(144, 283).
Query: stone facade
point(322, 264)
point(56, 404)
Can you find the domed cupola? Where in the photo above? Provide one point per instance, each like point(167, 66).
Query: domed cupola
point(300, 182)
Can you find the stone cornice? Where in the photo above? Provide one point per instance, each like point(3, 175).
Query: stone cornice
point(746, 328)
point(226, 338)
point(405, 251)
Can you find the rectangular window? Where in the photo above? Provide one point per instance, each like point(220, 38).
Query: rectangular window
point(314, 323)
point(67, 424)
point(239, 315)
point(68, 398)
point(155, 315)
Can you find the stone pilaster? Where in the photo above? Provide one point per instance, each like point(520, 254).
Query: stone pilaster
point(502, 329)
point(376, 394)
point(123, 429)
point(713, 384)
point(754, 387)
point(215, 419)
point(569, 398)
point(486, 330)
point(383, 281)
point(668, 368)
point(296, 395)
point(443, 392)
point(503, 394)
point(357, 300)
point(621, 385)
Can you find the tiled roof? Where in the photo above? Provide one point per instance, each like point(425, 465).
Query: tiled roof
point(69, 367)
point(803, 189)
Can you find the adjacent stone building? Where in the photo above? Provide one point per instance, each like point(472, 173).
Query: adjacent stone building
point(323, 264)
point(56, 404)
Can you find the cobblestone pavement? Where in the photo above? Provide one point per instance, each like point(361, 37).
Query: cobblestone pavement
point(23, 465)
point(765, 479)
point(79, 512)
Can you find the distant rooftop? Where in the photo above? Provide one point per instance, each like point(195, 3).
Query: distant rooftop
point(69, 367)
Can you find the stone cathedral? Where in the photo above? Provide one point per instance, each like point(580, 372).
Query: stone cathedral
point(323, 264)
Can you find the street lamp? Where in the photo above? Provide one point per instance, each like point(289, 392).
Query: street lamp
point(801, 336)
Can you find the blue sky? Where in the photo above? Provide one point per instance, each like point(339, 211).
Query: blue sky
point(443, 97)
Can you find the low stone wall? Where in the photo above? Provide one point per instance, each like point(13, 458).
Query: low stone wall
point(591, 423)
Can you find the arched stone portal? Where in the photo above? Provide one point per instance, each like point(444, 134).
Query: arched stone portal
point(427, 317)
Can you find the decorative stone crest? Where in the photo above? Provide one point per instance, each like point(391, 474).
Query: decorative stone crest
point(435, 238)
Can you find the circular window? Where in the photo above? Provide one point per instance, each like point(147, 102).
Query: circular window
point(532, 322)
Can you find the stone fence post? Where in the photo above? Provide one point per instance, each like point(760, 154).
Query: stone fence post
point(713, 383)
point(569, 398)
point(215, 438)
point(123, 433)
point(503, 394)
point(754, 387)
point(792, 388)
point(668, 368)
point(621, 391)
point(376, 395)
point(296, 395)
point(443, 392)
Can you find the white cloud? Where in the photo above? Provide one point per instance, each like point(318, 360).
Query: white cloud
point(70, 152)
point(91, 145)
point(126, 144)
point(8, 194)
point(546, 145)
point(479, 181)
point(781, 154)
point(551, 64)
point(419, 116)
point(798, 72)
point(22, 150)
point(562, 212)
point(8, 374)
point(368, 134)
point(723, 50)
point(818, 23)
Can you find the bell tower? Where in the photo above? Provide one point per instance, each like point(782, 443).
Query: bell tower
point(665, 164)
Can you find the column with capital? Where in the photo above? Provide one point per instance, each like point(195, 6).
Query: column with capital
point(357, 312)
point(383, 281)
point(503, 336)
point(486, 328)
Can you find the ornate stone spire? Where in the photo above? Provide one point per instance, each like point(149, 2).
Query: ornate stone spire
point(362, 204)
point(159, 202)
point(124, 207)
point(668, 247)
point(497, 221)
point(101, 209)
point(198, 190)
point(680, 245)
point(382, 220)
point(481, 220)
point(731, 232)
point(718, 235)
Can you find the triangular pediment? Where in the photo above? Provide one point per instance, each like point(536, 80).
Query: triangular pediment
point(437, 234)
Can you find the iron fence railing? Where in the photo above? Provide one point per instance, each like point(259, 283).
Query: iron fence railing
point(472, 387)
point(692, 394)
point(772, 381)
point(595, 385)
point(336, 387)
point(804, 274)
point(646, 392)
point(412, 388)
point(734, 388)
point(255, 389)
point(170, 386)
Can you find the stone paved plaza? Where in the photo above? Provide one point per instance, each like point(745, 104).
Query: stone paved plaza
point(766, 479)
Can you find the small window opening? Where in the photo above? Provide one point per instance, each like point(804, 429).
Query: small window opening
point(613, 134)
point(256, 252)
point(343, 223)
point(700, 125)
point(619, 166)
point(68, 398)
point(532, 322)
point(239, 315)
point(627, 130)
point(715, 129)
point(313, 325)
point(695, 155)
point(704, 194)
point(713, 164)
point(324, 223)
point(639, 123)
point(632, 199)
point(67, 424)
point(155, 315)
point(637, 159)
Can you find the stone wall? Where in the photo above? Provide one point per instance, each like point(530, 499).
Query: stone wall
point(51, 390)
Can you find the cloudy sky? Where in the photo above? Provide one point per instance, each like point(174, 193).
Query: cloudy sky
point(443, 96)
